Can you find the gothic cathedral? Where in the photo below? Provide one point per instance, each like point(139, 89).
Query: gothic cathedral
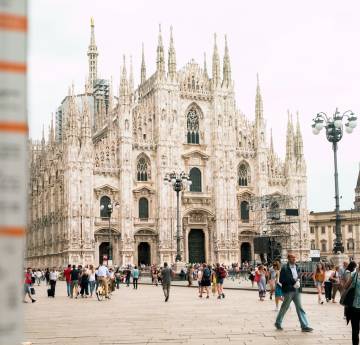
point(107, 149)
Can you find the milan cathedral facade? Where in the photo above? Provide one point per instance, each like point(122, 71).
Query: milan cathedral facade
point(116, 149)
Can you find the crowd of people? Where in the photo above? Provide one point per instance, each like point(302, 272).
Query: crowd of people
point(279, 281)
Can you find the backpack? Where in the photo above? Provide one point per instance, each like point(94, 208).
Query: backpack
point(222, 272)
point(207, 273)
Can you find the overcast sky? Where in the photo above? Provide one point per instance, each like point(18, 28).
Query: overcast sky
point(306, 53)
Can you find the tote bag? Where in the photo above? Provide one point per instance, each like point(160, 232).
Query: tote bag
point(347, 298)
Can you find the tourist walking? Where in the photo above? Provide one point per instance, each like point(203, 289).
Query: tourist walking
point(190, 273)
point(92, 279)
point(213, 282)
point(67, 275)
point(352, 311)
point(135, 275)
point(319, 277)
point(38, 276)
point(47, 276)
point(84, 283)
point(155, 275)
point(205, 281)
point(220, 276)
point(272, 274)
point(335, 279)
point(74, 282)
point(127, 276)
point(27, 285)
point(117, 278)
point(252, 276)
point(290, 282)
point(166, 275)
point(260, 278)
point(328, 283)
point(278, 289)
point(199, 277)
point(53, 277)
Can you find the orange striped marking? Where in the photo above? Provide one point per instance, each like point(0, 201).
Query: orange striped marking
point(15, 67)
point(14, 127)
point(13, 22)
point(12, 231)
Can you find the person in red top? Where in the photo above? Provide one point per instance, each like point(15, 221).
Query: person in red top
point(27, 285)
point(67, 275)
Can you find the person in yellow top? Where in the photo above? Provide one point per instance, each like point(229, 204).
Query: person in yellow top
point(213, 282)
point(319, 278)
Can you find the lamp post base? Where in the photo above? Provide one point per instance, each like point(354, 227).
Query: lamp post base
point(338, 259)
point(178, 266)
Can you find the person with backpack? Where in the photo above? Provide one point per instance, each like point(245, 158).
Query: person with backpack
point(220, 276)
point(205, 280)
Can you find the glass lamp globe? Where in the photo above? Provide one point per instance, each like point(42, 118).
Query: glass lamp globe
point(348, 129)
point(315, 130)
point(337, 121)
point(173, 180)
point(352, 122)
point(109, 206)
point(102, 207)
point(319, 124)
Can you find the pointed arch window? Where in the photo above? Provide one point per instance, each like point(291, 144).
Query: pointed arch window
point(244, 212)
point(143, 169)
point(143, 208)
point(195, 177)
point(244, 177)
point(193, 127)
point(105, 200)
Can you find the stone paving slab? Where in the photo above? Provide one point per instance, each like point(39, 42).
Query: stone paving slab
point(142, 317)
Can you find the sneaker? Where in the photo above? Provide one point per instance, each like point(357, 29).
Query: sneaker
point(223, 295)
point(307, 329)
point(33, 300)
point(219, 297)
point(207, 296)
point(278, 327)
point(167, 298)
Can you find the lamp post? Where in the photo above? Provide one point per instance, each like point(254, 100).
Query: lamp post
point(334, 132)
point(179, 182)
point(109, 209)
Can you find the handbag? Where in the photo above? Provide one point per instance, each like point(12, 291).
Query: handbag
point(32, 291)
point(347, 298)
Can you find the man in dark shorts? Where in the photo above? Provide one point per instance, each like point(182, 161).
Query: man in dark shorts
point(220, 276)
point(205, 280)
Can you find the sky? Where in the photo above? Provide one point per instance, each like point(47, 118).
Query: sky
point(306, 53)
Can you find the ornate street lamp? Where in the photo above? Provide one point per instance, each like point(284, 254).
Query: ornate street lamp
point(179, 182)
point(109, 208)
point(334, 132)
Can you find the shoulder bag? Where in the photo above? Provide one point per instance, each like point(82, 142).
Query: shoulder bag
point(347, 298)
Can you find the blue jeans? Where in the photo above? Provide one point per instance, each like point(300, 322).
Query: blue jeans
point(295, 297)
point(68, 288)
point(92, 287)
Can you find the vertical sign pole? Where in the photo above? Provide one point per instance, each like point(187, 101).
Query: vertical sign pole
point(13, 167)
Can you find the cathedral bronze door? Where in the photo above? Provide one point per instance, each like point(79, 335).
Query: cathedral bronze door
point(103, 252)
point(196, 242)
point(245, 252)
point(144, 254)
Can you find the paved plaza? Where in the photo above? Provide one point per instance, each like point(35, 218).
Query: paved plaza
point(142, 317)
